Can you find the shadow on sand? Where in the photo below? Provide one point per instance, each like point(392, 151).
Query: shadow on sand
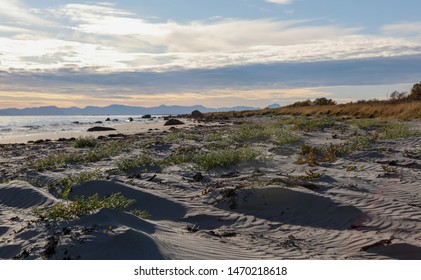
point(294, 207)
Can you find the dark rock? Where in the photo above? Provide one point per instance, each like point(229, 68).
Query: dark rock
point(130, 119)
point(166, 118)
point(118, 135)
point(146, 117)
point(76, 122)
point(115, 120)
point(100, 128)
point(173, 122)
point(108, 120)
point(98, 122)
point(198, 177)
point(196, 114)
point(101, 137)
point(39, 141)
point(62, 139)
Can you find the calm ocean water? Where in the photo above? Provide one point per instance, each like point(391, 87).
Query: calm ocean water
point(28, 125)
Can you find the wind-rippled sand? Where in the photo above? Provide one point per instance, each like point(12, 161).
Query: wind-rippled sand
point(252, 210)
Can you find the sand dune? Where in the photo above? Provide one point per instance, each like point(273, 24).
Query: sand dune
point(22, 195)
point(159, 207)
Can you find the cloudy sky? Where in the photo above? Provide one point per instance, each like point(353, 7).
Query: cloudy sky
point(211, 52)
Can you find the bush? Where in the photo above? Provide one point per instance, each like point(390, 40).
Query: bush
point(302, 103)
point(323, 101)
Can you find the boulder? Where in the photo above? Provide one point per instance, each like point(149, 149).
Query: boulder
point(173, 122)
point(146, 117)
point(130, 119)
point(196, 114)
point(108, 120)
point(100, 128)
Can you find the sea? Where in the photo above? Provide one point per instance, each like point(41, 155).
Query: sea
point(30, 125)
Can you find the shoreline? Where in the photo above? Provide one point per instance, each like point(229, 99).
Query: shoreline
point(130, 128)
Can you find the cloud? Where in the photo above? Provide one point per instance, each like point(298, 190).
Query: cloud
point(255, 85)
point(280, 2)
point(12, 29)
point(104, 38)
point(48, 54)
point(276, 75)
point(403, 29)
point(16, 10)
point(197, 36)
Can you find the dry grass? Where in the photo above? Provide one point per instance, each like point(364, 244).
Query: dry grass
point(403, 111)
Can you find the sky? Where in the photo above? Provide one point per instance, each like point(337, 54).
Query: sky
point(217, 53)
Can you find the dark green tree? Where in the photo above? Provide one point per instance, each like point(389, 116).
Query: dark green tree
point(416, 92)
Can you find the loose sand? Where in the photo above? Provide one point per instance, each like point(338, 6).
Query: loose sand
point(366, 205)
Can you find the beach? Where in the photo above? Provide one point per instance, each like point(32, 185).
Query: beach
point(54, 128)
point(258, 187)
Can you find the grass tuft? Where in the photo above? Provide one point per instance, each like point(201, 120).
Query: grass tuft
point(141, 213)
point(66, 184)
point(179, 136)
point(127, 164)
point(225, 157)
point(398, 131)
point(54, 161)
point(68, 210)
point(86, 142)
point(264, 132)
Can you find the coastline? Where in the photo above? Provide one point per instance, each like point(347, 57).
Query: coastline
point(129, 128)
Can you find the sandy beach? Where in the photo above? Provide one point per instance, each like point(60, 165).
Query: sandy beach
point(266, 187)
point(129, 128)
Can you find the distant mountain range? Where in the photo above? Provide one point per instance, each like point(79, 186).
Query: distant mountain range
point(116, 110)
